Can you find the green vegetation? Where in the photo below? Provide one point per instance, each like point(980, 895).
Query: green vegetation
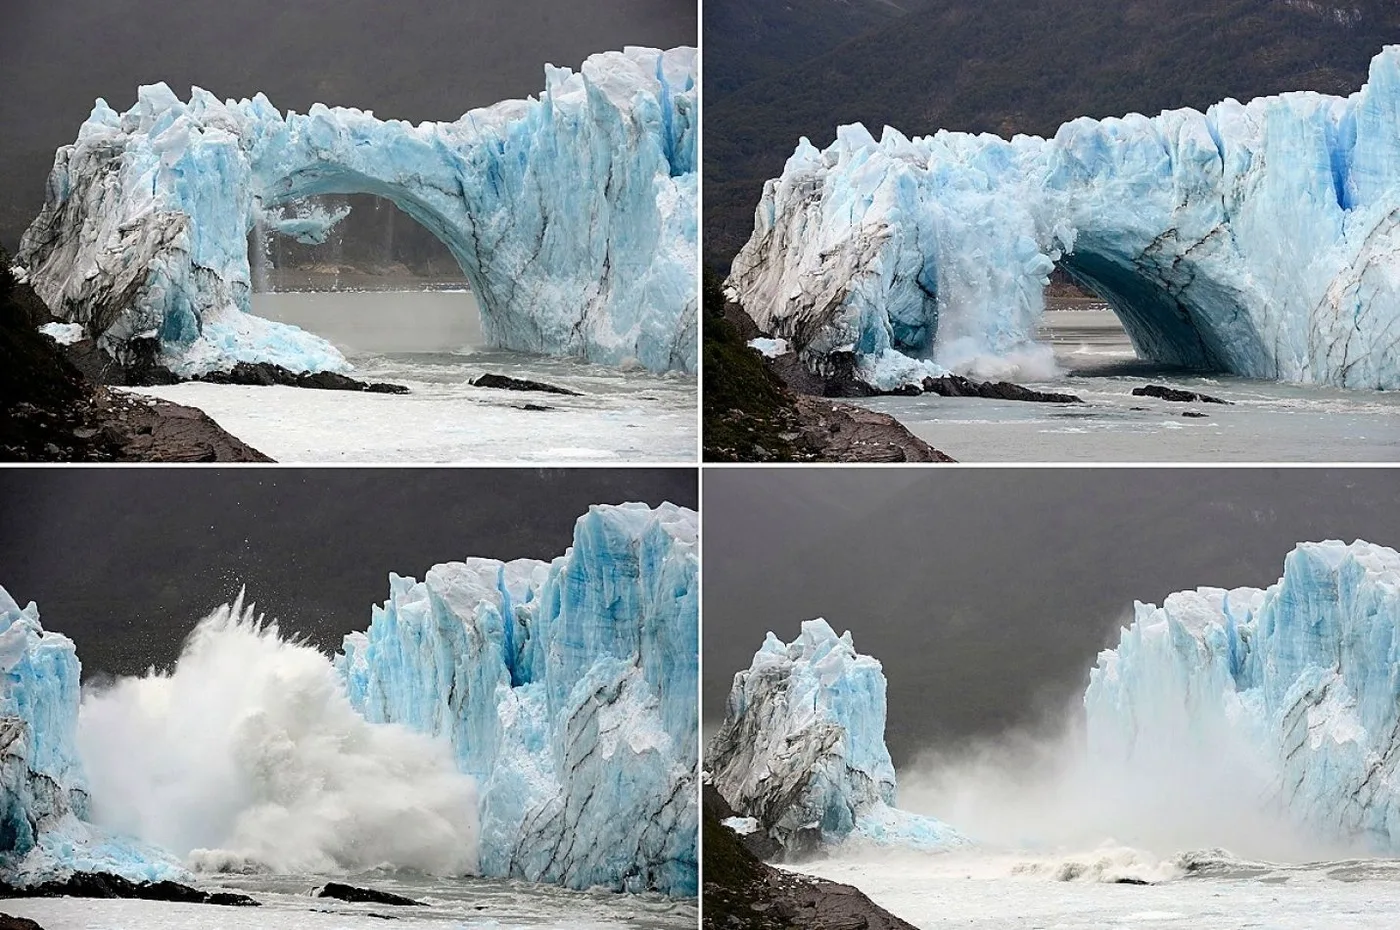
point(1009, 66)
point(736, 892)
point(748, 411)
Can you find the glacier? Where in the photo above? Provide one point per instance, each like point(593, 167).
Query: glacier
point(802, 749)
point(574, 215)
point(1260, 239)
point(1299, 680)
point(568, 689)
point(44, 828)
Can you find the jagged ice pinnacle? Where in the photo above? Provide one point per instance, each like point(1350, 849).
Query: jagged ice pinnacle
point(802, 748)
point(567, 688)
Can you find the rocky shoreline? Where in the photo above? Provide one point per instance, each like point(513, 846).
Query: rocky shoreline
point(744, 893)
point(752, 413)
point(49, 410)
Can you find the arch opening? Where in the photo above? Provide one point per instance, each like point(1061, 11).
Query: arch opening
point(1174, 313)
point(375, 281)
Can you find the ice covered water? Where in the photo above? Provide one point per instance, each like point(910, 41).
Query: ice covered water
point(1269, 420)
point(998, 891)
point(451, 904)
point(430, 339)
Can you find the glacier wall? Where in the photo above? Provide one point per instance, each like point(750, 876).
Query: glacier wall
point(567, 688)
point(574, 215)
point(802, 748)
point(1260, 238)
point(1300, 681)
point(44, 832)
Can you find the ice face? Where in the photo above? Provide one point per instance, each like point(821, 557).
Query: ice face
point(1258, 239)
point(1298, 680)
point(567, 688)
point(802, 748)
point(574, 216)
point(43, 789)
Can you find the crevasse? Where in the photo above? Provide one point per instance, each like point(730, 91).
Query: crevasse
point(574, 215)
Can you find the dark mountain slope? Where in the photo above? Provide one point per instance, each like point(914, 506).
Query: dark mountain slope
point(1010, 66)
point(755, 39)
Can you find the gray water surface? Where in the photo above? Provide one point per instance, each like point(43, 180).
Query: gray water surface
point(1267, 422)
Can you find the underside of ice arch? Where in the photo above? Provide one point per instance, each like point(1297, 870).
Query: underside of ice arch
point(574, 215)
point(1260, 239)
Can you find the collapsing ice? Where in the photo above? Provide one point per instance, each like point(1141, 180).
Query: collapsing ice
point(1289, 692)
point(565, 689)
point(1260, 239)
point(573, 216)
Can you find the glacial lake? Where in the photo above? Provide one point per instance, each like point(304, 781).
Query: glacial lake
point(430, 340)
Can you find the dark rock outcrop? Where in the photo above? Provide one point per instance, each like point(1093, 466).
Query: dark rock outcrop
point(841, 380)
point(264, 374)
point(751, 415)
point(103, 885)
point(1162, 392)
point(49, 412)
point(364, 895)
point(505, 383)
point(743, 893)
point(958, 386)
point(17, 923)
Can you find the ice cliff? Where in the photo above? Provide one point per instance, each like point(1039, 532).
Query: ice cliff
point(1299, 681)
point(43, 788)
point(1261, 239)
point(574, 215)
point(802, 748)
point(567, 688)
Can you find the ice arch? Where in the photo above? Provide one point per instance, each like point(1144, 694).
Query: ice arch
point(572, 215)
point(1261, 239)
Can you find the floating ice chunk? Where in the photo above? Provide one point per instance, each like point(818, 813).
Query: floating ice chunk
point(771, 348)
point(65, 334)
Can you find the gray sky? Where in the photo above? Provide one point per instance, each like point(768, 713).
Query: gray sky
point(987, 593)
point(406, 59)
point(125, 561)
